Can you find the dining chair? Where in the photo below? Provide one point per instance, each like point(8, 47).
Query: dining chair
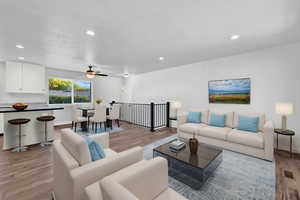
point(99, 117)
point(77, 117)
point(114, 114)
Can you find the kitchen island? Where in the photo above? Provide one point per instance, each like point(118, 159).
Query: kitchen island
point(32, 132)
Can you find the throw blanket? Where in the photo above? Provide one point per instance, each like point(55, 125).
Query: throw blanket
point(95, 149)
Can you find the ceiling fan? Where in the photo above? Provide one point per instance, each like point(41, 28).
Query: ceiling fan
point(90, 73)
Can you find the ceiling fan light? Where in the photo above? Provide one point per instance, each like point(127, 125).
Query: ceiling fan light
point(90, 75)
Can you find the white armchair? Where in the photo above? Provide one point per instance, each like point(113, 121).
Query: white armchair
point(145, 180)
point(73, 169)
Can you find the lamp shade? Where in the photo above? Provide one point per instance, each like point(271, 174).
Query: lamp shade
point(176, 105)
point(284, 108)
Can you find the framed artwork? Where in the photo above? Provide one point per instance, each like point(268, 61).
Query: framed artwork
point(232, 91)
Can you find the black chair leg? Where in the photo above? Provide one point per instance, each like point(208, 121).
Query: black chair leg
point(118, 122)
point(105, 126)
point(72, 124)
point(75, 126)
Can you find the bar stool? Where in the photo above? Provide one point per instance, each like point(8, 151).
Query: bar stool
point(45, 119)
point(19, 122)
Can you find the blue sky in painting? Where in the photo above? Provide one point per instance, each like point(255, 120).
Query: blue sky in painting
point(230, 86)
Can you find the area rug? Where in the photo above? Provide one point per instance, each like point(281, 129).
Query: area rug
point(239, 177)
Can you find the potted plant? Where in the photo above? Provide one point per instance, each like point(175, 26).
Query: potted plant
point(98, 101)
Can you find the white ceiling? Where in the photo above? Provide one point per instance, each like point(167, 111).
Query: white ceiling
point(132, 34)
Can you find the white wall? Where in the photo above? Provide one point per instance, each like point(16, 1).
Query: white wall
point(274, 77)
point(109, 88)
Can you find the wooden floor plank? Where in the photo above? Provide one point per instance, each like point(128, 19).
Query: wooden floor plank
point(28, 175)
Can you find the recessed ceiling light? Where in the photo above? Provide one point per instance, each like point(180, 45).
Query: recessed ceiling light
point(161, 58)
point(21, 58)
point(235, 37)
point(126, 75)
point(90, 32)
point(20, 46)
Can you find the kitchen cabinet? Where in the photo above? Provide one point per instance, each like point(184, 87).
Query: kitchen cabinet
point(25, 78)
point(13, 77)
point(33, 78)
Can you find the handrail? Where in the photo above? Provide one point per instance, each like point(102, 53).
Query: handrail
point(151, 115)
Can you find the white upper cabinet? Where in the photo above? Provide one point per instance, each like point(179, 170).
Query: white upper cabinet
point(13, 77)
point(25, 78)
point(33, 78)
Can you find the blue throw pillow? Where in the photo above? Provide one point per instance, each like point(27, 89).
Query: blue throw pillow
point(248, 124)
point(194, 117)
point(217, 120)
point(95, 149)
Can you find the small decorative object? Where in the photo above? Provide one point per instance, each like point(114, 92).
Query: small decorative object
point(20, 106)
point(233, 91)
point(193, 142)
point(98, 101)
point(284, 109)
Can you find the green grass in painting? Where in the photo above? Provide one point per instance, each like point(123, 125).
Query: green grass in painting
point(230, 98)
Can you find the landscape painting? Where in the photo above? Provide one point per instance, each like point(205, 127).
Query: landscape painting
point(233, 91)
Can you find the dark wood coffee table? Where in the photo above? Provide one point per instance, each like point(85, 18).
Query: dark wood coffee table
point(191, 169)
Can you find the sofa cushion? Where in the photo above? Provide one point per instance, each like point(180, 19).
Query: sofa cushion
point(191, 127)
point(76, 146)
point(194, 117)
point(246, 138)
point(228, 117)
point(248, 124)
point(170, 194)
point(214, 132)
point(204, 114)
point(217, 120)
point(261, 121)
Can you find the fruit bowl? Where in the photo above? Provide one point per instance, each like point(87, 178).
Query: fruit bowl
point(20, 106)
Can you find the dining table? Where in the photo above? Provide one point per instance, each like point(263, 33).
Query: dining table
point(86, 112)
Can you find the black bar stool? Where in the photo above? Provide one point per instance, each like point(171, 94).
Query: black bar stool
point(19, 122)
point(45, 119)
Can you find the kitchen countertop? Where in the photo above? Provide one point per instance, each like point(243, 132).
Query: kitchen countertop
point(29, 109)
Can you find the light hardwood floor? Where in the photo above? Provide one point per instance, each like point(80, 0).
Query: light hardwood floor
point(28, 175)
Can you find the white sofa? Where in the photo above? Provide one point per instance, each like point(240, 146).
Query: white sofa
point(145, 180)
point(73, 169)
point(229, 137)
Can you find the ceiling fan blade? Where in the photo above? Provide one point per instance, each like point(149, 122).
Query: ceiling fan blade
point(101, 74)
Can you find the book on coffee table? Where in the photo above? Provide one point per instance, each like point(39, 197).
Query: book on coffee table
point(177, 145)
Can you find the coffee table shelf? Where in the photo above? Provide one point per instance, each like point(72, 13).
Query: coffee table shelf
point(191, 169)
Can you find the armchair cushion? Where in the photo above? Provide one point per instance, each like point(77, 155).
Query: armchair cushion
point(76, 146)
point(90, 173)
point(170, 194)
point(145, 180)
point(95, 149)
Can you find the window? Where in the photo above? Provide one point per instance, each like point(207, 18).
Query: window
point(65, 91)
point(82, 92)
